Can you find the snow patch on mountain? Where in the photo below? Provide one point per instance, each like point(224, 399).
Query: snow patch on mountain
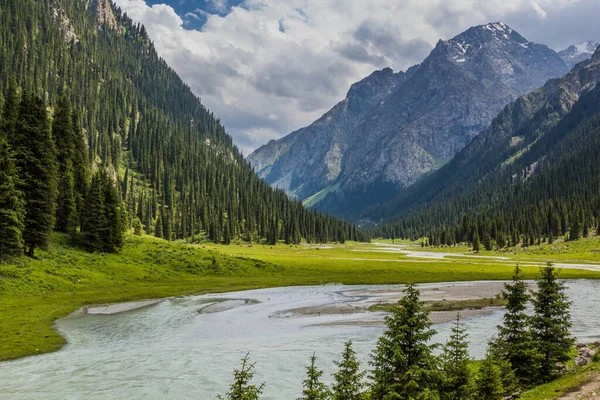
point(577, 53)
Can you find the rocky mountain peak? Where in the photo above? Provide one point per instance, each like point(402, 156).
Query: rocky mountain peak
point(577, 53)
point(473, 40)
point(577, 49)
point(495, 31)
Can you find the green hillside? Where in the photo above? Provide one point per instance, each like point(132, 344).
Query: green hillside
point(178, 172)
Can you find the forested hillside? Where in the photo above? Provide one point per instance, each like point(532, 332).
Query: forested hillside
point(533, 176)
point(107, 106)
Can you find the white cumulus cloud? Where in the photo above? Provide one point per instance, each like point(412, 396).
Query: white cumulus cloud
point(271, 66)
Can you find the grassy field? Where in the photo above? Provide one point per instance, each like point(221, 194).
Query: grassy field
point(34, 293)
point(367, 263)
point(585, 250)
point(569, 383)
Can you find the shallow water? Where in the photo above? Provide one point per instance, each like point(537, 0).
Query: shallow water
point(173, 351)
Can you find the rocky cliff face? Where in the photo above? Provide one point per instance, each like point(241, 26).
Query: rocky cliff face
point(575, 54)
point(103, 10)
point(393, 128)
point(310, 159)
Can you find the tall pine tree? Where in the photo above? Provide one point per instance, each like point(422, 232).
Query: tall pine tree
point(551, 322)
point(458, 382)
point(515, 342)
point(347, 381)
point(36, 159)
point(241, 389)
point(81, 165)
point(104, 219)
point(404, 363)
point(94, 224)
point(64, 139)
point(489, 379)
point(313, 388)
point(12, 206)
point(10, 112)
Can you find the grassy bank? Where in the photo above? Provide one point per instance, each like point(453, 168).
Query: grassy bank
point(580, 383)
point(34, 293)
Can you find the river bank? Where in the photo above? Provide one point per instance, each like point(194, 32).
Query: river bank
point(173, 349)
point(36, 292)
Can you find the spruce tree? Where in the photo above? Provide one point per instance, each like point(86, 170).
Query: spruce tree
point(94, 219)
point(115, 214)
point(64, 140)
point(314, 389)
point(487, 241)
point(551, 322)
point(347, 381)
point(458, 380)
point(489, 379)
point(81, 164)
point(10, 112)
point(138, 229)
point(273, 235)
point(241, 389)
point(158, 227)
point(148, 224)
point(66, 212)
point(515, 341)
point(104, 219)
point(12, 206)
point(475, 241)
point(404, 364)
point(575, 229)
point(36, 159)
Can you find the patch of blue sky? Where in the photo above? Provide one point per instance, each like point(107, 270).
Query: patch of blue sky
point(195, 12)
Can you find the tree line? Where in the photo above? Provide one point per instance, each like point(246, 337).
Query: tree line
point(176, 170)
point(528, 350)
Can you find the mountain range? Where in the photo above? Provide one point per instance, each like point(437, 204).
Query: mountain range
point(532, 175)
point(392, 128)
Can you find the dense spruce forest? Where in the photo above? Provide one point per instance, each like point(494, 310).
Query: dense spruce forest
point(532, 177)
point(99, 134)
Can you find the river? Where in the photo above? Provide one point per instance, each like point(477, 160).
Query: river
point(186, 348)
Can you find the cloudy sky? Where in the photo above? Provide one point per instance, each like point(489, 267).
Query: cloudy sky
point(268, 67)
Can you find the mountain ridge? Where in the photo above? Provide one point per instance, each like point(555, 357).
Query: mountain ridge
point(533, 142)
point(349, 158)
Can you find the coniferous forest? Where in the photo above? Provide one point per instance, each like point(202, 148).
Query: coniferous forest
point(100, 135)
point(532, 178)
